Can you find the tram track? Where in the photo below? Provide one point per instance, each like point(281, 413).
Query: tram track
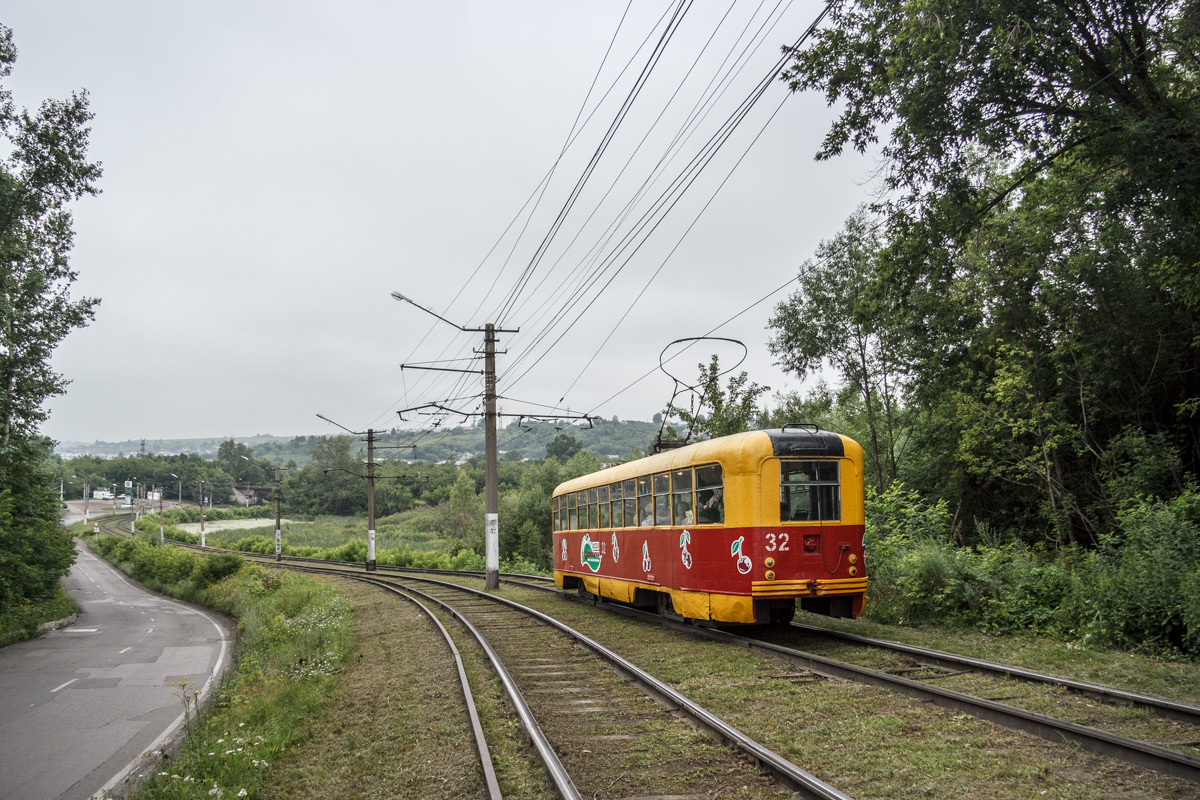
point(1167, 724)
point(1142, 754)
point(1175, 761)
point(598, 722)
point(952, 661)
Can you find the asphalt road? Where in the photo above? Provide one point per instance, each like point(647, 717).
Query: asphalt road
point(79, 706)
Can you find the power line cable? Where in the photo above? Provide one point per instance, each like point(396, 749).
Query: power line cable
point(692, 120)
point(681, 9)
point(666, 201)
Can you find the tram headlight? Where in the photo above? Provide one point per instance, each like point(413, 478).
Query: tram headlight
point(853, 571)
point(770, 562)
point(770, 574)
point(853, 559)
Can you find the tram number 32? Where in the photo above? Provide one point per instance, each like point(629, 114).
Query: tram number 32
point(777, 542)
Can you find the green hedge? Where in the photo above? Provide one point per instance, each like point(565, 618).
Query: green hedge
point(165, 568)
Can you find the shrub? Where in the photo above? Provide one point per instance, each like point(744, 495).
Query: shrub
point(1139, 588)
point(898, 524)
point(164, 567)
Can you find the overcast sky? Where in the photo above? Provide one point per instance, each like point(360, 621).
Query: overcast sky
point(273, 171)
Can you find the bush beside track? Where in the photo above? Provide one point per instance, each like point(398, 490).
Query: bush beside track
point(294, 637)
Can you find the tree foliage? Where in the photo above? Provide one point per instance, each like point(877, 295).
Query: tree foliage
point(43, 169)
point(731, 409)
point(562, 447)
point(826, 321)
point(1036, 276)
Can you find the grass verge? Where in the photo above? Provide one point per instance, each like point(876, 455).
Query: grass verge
point(397, 726)
point(294, 641)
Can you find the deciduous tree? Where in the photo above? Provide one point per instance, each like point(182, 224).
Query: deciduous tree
point(44, 168)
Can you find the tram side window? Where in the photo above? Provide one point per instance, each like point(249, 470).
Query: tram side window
point(591, 517)
point(629, 492)
point(618, 516)
point(809, 490)
point(602, 498)
point(710, 495)
point(555, 519)
point(572, 513)
point(662, 498)
point(645, 502)
point(681, 497)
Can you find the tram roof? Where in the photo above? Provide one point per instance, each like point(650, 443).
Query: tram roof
point(739, 453)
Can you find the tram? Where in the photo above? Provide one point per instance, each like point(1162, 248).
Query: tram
point(734, 529)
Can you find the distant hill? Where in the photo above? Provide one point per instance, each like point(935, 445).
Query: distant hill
point(606, 438)
point(206, 448)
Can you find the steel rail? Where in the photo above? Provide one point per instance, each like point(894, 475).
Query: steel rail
point(545, 750)
point(1142, 754)
point(481, 745)
point(382, 567)
point(1167, 708)
point(783, 770)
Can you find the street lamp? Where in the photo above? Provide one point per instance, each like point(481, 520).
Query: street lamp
point(491, 478)
point(176, 477)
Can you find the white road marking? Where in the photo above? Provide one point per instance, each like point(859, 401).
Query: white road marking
point(80, 630)
point(65, 685)
point(126, 650)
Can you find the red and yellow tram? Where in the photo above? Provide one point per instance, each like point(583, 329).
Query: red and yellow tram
point(732, 530)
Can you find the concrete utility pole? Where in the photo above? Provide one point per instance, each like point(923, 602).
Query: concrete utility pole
point(87, 492)
point(370, 476)
point(202, 544)
point(491, 478)
point(278, 495)
point(491, 508)
point(278, 534)
point(161, 538)
point(370, 500)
